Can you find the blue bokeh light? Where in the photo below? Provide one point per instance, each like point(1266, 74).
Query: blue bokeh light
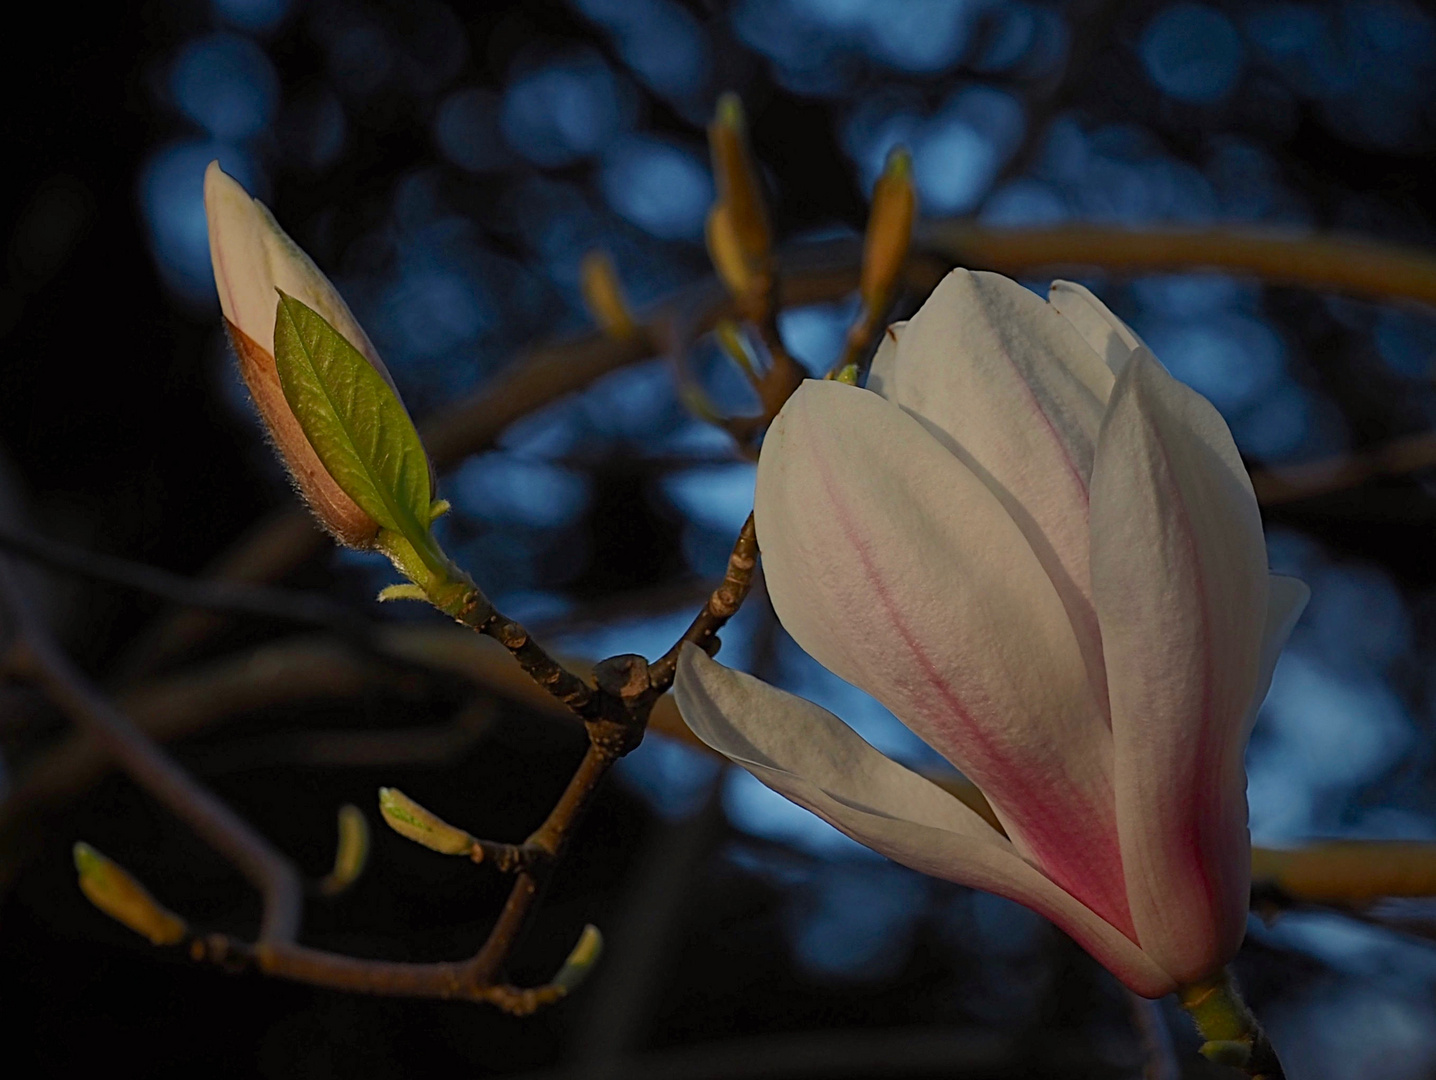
point(673, 778)
point(466, 128)
point(856, 921)
point(658, 186)
point(761, 811)
point(815, 334)
point(361, 58)
point(717, 497)
point(1229, 358)
point(1406, 340)
point(171, 190)
point(225, 84)
point(252, 14)
point(500, 488)
point(659, 40)
point(1193, 53)
point(1025, 202)
point(564, 111)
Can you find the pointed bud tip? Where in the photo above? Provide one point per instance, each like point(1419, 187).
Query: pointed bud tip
point(416, 823)
point(351, 853)
point(112, 889)
point(899, 162)
point(581, 960)
point(729, 112)
point(87, 859)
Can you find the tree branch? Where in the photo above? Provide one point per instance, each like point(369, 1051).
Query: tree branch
point(825, 271)
point(714, 615)
point(270, 872)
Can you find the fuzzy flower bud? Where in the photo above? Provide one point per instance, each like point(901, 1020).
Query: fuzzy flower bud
point(254, 260)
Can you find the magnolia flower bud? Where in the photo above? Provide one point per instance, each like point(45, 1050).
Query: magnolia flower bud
point(254, 260)
point(739, 238)
point(603, 296)
point(889, 231)
point(1043, 554)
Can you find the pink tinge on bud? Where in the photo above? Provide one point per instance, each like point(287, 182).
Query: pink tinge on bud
point(253, 260)
point(340, 514)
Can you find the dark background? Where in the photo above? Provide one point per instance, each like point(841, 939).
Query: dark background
point(449, 165)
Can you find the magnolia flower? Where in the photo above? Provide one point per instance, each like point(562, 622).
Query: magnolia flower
point(1043, 554)
point(252, 258)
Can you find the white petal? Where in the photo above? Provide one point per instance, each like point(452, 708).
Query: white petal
point(810, 756)
point(898, 569)
point(252, 256)
point(1009, 386)
point(1180, 579)
point(1111, 339)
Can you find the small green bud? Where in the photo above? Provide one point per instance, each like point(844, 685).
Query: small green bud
point(351, 853)
point(581, 960)
point(413, 822)
point(114, 891)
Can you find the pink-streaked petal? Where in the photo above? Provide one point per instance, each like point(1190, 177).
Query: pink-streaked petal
point(898, 569)
point(1110, 338)
point(252, 256)
point(1011, 388)
point(1180, 579)
point(810, 756)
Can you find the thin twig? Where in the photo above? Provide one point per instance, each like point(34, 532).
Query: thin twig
point(721, 606)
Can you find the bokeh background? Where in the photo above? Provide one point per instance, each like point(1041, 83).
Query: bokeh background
point(449, 164)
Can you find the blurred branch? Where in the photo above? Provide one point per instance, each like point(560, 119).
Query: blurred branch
point(1346, 872)
point(1290, 483)
point(272, 874)
point(289, 671)
point(820, 272)
point(224, 597)
point(828, 271)
point(1332, 263)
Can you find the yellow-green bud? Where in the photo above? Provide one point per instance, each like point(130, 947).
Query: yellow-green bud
point(889, 231)
point(603, 295)
point(412, 821)
point(110, 888)
point(581, 960)
point(350, 854)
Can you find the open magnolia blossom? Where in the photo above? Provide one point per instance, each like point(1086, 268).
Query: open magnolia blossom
point(1043, 554)
point(252, 258)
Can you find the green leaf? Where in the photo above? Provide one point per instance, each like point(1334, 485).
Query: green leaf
point(355, 422)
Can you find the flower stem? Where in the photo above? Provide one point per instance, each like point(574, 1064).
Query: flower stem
point(1233, 1036)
